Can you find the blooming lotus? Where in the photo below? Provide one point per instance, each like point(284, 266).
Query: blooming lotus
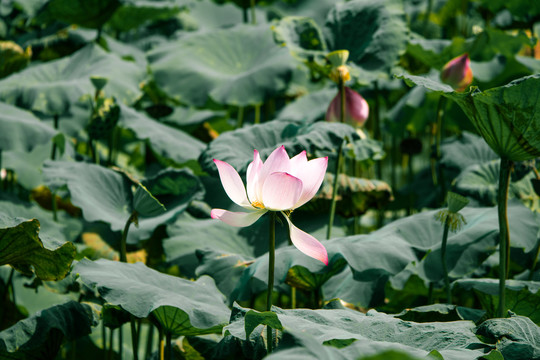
point(280, 184)
point(457, 73)
point(356, 108)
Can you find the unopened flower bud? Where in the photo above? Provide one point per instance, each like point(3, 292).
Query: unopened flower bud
point(340, 74)
point(356, 108)
point(457, 73)
point(338, 58)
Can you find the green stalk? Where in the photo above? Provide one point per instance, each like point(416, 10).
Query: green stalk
point(111, 338)
point(120, 342)
point(443, 261)
point(104, 336)
point(257, 114)
point(252, 6)
point(123, 258)
point(53, 151)
point(334, 190)
point(240, 118)
point(134, 338)
point(123, 248)
point(54, 205)
point(149, 342)
point(339, 160)
point(271, 266)
point(168, 345)
point(245, 14)
point(377, 126)
point(161, 345)
point(504, 234)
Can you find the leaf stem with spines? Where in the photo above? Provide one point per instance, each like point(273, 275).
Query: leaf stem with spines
point(123, 258)
point(339, 161)
point(443, 262)
point(504, 233)
point(271, 266)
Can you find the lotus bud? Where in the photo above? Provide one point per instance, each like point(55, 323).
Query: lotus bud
point(356, 108)
point(338, 58)
point(99, 82)
point(457, 73)
point(451, 215)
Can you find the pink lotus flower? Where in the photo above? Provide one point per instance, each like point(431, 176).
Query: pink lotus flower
point(457, 73)
point(356, 108)
point(279, 184)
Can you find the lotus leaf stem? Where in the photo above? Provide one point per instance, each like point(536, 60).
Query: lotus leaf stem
point(443, 262)
point(504, 234)
point(271, 266)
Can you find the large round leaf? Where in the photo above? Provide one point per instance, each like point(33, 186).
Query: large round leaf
point(21, 130)
point(107, 195)
point(51, 88)
point(67, 321)
point(87, 13)
point(236, 147)
point(374, 32)
point(417, 239)
point(22, 248)
point(237, 66)
point(507, 117)
point(185, 307)
point(134, 13)
point(167, 141)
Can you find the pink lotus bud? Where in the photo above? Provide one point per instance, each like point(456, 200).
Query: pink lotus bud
point(356, 108)
point(457, 73)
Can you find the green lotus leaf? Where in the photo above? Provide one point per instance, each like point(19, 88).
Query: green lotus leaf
point(21, 130)
point(440, 312)
point(337, 326)
point(374, 32)
point(522, 297)
point(13, 58)
point(182, 306)
point(516, 338)
point(166, 141)
point(68, 321)
point(507, 117)
point(308, 108)
point(238, 66)
point(481, 182)
point(53, 87)
point(135, 13)
point(417, 239)
point(301, 35)
point(22, 248)
point(465, 150)
point(107, 195)
point(87, 13)
point(236, 147)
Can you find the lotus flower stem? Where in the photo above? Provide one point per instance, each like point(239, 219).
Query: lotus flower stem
point(338, 163)
point(104, 336)
point(271, 266)
point(253, 16)
point(54, 206)
point(257, 114)
point(111, 339)
point(504, 234)
point(240, 117)
point(443, 262)
point(134, 338)
point(168, 345)
point(53, 151)
point(120, 341)
point(337, 170)
point(435, 137)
